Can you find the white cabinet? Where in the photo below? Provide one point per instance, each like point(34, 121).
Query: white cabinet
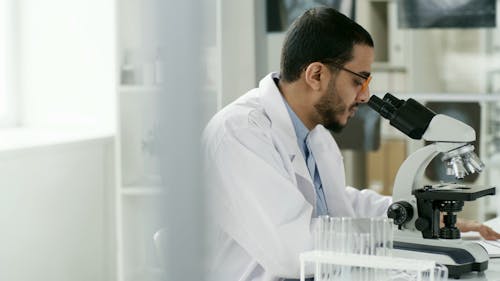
point(138, 185)
point(150, 34)
point(138, 135)
point(138, 181)
point(379, 17)
point(56, 207)
point(392, 45)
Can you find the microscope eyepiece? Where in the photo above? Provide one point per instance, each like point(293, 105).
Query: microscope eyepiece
point(376, 103)
point(392, 100)
point(408, 116)
point(383, 108)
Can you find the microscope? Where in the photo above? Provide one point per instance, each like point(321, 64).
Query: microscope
point(416, 207)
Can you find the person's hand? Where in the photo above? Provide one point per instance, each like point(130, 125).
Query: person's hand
point(486, 232)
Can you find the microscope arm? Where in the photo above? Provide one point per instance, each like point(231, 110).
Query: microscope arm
point(411, 173)
point(412, 170)
point(448, 134)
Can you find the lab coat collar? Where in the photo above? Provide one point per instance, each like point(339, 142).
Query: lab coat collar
point(322, 144)
point(274, 106)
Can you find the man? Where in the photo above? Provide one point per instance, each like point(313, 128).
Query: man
point(272, 162)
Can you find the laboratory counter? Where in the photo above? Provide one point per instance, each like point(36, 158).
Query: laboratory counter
point(493, 271)
point(491, 274)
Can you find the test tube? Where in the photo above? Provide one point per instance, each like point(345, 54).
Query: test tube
point(330, 268)
point(346, 230)
point(388, 236)
point(376, 244)
point(364, 249)
point(323, 227)
point(441, 273)
point(317, 233)
point(323, 246)
point(374, 236)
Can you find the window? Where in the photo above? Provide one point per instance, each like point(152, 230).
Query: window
point(7, 58)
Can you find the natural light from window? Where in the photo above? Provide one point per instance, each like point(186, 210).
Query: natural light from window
point(6, 78)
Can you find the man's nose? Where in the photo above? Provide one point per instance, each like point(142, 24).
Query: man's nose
point(363, 95)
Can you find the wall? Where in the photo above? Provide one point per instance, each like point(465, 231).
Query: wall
point(67, 63)
point(238, 48)
point(7, 65)
point(55, 212)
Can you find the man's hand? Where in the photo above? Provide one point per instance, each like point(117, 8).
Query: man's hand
point(486, 232)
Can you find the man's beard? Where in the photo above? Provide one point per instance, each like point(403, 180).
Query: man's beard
point(328, 107)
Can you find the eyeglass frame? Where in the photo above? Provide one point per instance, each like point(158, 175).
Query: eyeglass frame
point(368, 78)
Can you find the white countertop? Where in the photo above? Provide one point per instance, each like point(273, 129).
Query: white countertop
point(493, 271)
point(491, 274)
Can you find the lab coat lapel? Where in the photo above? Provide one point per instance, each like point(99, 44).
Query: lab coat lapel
point(330, 166)
point(273, 104)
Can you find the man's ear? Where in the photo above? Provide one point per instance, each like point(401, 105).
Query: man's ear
point(314, 73)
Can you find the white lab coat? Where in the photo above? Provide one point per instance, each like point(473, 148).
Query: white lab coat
point(262, 195)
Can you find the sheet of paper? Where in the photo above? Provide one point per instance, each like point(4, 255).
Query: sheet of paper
point(494, 223)
point(470, 235)
point(492, 247)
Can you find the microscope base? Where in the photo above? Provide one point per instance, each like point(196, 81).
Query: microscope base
point(459, 256)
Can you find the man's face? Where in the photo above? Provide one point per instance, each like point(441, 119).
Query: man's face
point(344, 92)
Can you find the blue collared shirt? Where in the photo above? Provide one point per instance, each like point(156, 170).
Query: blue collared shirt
point(302, 132)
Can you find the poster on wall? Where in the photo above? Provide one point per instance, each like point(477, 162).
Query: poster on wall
point(446, 13)
point(281, 13)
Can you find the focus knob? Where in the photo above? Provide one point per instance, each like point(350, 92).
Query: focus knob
point(422, 224)
point(400, 212)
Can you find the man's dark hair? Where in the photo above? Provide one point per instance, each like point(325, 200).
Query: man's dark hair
point(320, 34)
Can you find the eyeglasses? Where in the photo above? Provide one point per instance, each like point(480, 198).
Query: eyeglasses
point(364, 86)
point(367, 78)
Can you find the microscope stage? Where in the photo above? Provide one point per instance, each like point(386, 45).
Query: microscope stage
point(453, 192)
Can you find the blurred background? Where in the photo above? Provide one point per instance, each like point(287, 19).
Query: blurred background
point(102, 104)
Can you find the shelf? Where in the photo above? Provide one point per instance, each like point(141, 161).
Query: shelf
point(450, 97)
point(146, 273)
point(139, 89)
point(387, 67)
point(24, 138)
point(137, 190)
